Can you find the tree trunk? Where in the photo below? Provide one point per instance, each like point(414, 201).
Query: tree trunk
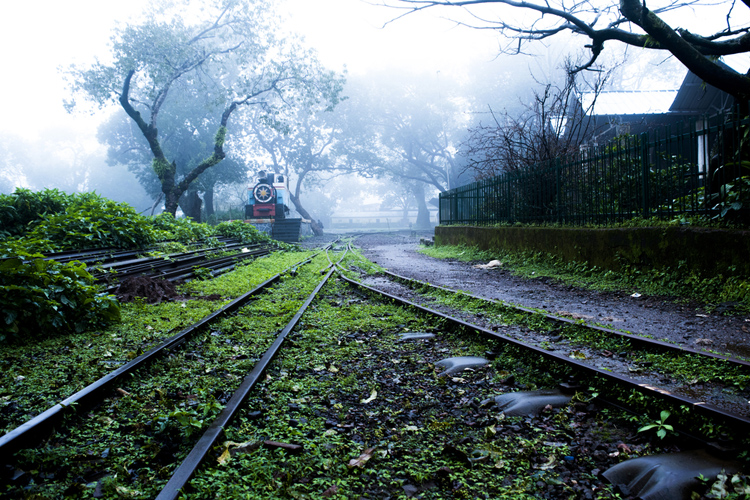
point(423, 213)
point(171, 199)
point(208, 200)
point(317, 230)
point(191, 205)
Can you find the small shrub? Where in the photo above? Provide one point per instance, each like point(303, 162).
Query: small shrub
point(44, 297)
point(23, 207)
point(184, 231)
point(247, 233)
point(95, 222)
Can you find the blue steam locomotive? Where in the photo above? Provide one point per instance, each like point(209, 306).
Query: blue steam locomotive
point(268, 200)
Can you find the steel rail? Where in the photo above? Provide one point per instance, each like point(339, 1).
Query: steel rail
point(34, 430)
point(648, 389)
point(631, 336)
point(187, 270)
point(330, 262)
point(113, 254)
point(134, 266)
point(187, 468)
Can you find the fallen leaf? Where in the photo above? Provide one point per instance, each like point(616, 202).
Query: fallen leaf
point(232, 448)
point(372, 397)
point(127, 492)
point(225, 457)
point(549, 465)
point(362, 459)
point(331, 491)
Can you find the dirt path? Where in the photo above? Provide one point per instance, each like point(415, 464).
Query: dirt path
point(682, 324)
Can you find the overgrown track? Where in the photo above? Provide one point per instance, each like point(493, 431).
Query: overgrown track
point(550, 344)
point(387, 393)
point(563, 321)
point(178, 267)
point(186, 470)
point(111, 266)
point(38, 428)
point(104, 256)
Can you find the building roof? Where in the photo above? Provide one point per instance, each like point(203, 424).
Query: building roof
point(630, 102)
point(698, 97)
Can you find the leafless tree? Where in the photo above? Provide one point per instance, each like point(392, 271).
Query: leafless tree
point(554, 124)
point(629, 22)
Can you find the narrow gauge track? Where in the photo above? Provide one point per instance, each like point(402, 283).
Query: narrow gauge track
point(208, 442)
point(714, 403)
point(178, 267)
point(562, 321)
point(183, 474)
point(38, 428)
point(202, 450)
point(112, 254)
point(187, 469)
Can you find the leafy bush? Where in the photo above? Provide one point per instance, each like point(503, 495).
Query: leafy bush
point(23, 207)
point(95, 222)
point(184, 231)
point(44, 297)
point(247, 233)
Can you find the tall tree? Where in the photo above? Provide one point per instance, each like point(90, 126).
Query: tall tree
point(223, 52)
point(411, 136)
point(188, 144)
point(629, 22)
point(301, 143)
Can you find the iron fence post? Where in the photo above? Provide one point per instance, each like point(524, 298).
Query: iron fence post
point(644, 174)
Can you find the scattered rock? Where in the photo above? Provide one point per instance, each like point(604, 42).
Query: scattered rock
point(528, 403)
point(459, 364)
point(416, 336)
point(493, 264)
point(672, 476)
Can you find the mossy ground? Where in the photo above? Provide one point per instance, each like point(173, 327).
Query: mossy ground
point(370, 413)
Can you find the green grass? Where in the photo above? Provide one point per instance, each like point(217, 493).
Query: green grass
point(680, 283)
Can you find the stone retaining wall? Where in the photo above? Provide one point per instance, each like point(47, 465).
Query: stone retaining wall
point(707, 251)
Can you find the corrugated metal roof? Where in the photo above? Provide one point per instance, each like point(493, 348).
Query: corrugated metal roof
point(630, 102)
point(698, 97)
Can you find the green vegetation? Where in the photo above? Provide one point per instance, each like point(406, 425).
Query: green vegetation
point(47, 298)
point(38, 295)
point(72, 361)
point(660, 426)
point(681, 282)
point(369, 411)
point(94, 223)
point(688, 369)
point(247, 233)
point(24, 207)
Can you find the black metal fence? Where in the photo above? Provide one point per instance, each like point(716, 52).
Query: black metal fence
point(697, 167)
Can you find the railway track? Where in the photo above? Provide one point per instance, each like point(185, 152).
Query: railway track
point(111, 266)
point(36, 429)
point(303, 405)
point(630, 361)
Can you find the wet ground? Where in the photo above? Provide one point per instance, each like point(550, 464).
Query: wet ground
point(685, 324)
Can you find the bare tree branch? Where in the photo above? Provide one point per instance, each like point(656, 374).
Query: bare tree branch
point(696, 52)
